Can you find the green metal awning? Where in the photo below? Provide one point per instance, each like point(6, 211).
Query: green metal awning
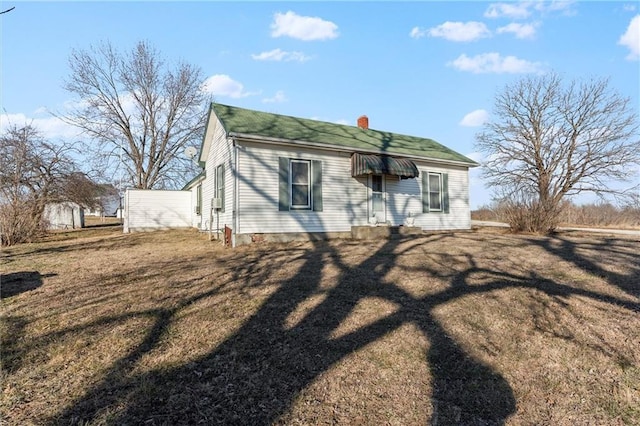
point(368, 164)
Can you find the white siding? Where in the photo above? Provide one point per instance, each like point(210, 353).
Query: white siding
point(156, 209)
point(404, 196)
point(196, 217)
point(220, 152)
point(344, 198)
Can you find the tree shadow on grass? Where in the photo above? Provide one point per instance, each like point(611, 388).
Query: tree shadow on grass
point(11, 285)
point(585, 255)
point(13, 331)
point(18, 282)
point(254, 376)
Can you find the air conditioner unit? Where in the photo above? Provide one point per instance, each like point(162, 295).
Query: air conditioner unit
point(216, 203)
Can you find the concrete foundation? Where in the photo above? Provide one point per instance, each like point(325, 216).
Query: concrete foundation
point(242, 239)
point(383, 232)
point(357, 233)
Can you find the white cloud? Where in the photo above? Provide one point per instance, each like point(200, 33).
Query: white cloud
point(524, 9)
point(475, 118)
point(302, 27)
point(49, 127)
point(8, 120)
point(564, 6)
point(508, 10)
point(279, 97)
point(280, 55)
point(494, 63)
point(519, 30)
point(54, 127)
point(455, 31)
point(223, 85)
point(629, 7)
point(631, 39)
point(417, 32)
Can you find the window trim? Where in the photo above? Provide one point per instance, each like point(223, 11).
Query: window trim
point(284, 186)
point(444, 192)
point(439, 192)
point(309, 205)
point(218, 191)
point(382, 192)
point(199, 200)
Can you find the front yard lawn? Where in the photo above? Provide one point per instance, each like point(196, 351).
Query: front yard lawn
point(462, 328)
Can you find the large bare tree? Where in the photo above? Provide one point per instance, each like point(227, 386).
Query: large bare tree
point(550, 139)
point(139, 112)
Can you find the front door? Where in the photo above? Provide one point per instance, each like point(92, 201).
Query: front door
point(377, 207)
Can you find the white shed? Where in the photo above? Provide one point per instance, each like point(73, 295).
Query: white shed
point(64, 215)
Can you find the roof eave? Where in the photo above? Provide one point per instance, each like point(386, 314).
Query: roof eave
point(328, 147)
point(197, 179)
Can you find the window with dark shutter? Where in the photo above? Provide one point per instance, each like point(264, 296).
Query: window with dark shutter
point(435, 192)
point(300, 184)
point(300, 175)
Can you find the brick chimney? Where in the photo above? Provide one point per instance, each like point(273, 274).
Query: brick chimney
point(363, 122)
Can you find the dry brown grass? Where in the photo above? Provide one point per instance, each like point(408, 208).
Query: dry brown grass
point(471, 328)
point(91, 221)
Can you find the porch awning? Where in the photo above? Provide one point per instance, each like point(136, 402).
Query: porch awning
point(369, 164)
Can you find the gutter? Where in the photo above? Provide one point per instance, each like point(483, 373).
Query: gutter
point(236, 202)
point(328, 147)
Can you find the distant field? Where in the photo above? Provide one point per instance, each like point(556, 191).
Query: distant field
point(605, 216)
point(100, 327)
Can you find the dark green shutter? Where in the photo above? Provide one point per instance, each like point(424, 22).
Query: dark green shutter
point(425, 192)
point(445, 192)
point(316, 194)
point(283, 173)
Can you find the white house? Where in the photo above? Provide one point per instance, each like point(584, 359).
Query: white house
point(275, 177)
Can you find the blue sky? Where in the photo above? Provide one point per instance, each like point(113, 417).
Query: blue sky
point(426, 68)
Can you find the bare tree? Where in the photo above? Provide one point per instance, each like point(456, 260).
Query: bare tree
point(139, 112)
point(550, 139)
point(33, 172)
point(81, 189)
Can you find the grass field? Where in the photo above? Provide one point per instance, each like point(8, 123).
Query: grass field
point(475, 328)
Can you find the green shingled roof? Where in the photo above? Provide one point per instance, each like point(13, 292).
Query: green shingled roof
point(263, 124)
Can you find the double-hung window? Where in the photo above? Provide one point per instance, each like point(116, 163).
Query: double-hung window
point(199, 200)
point(300, 175)
point(300, 184)
point(219, 187)
point(435, 192)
